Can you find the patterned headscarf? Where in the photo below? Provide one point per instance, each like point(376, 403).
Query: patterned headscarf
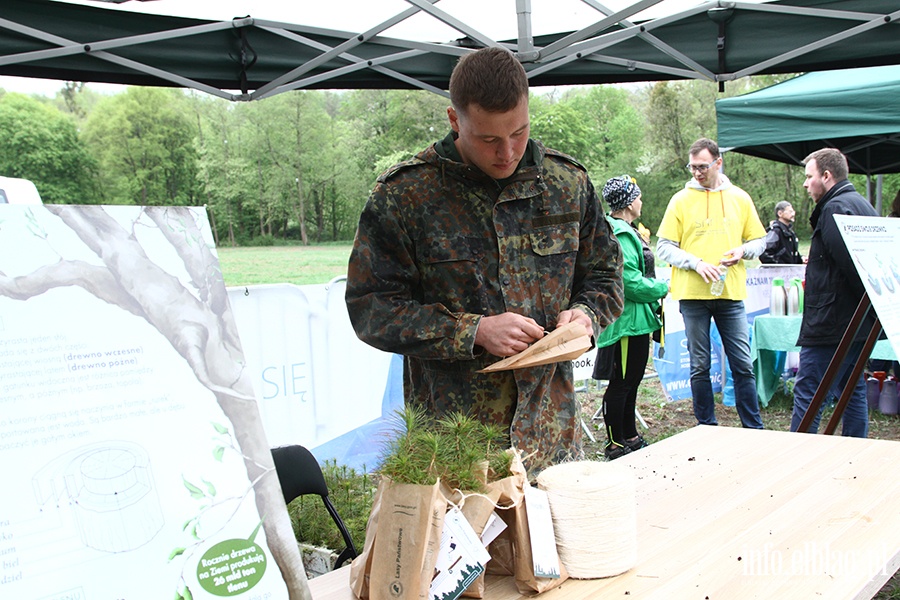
point(619, 192)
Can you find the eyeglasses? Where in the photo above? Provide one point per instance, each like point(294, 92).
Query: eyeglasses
point(700, 168)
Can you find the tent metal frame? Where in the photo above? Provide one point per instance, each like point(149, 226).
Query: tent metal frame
point(591, 44)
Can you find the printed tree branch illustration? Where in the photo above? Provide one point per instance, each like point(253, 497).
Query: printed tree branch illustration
point(195, 319)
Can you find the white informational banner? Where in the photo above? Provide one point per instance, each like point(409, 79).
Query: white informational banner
point(134, 461)
point(315, 380)
point(874, 243)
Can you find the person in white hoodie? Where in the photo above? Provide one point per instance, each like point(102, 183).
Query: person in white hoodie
point(710, 227)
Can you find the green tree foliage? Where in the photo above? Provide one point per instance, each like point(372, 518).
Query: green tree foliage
point(41, 144)
point(224, 174)
point(392, 122)
point(143, 143)
point(299, 166)
point(600, 126)
point(282, 168)
point(677, 114)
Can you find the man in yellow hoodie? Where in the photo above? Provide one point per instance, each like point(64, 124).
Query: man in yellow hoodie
point(708, 230)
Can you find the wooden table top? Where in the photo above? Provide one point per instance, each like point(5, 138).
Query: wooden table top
point(727, 513)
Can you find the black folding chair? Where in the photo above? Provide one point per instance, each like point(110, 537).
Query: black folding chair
point(300, 474)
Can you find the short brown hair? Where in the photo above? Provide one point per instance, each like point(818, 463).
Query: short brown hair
point(492, 78)
point(829, 159)
point(704, 144)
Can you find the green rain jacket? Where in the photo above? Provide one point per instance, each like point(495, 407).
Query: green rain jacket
point(440, 244)
point(642, 294)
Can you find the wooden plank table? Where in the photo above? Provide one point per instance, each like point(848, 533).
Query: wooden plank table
point(727, 513)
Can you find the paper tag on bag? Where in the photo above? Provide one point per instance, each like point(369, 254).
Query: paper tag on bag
point(461, 558)
point(492, 529)
point(540, 527)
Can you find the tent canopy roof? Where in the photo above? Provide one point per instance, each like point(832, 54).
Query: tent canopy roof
point(854, 110)
point(715, 41)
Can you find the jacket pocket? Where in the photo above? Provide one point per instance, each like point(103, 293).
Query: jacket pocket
point(555, 239)
point(819, 311)
point(450, 272)
point(555, 251)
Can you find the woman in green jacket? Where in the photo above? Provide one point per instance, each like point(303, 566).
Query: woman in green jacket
point(624, 346)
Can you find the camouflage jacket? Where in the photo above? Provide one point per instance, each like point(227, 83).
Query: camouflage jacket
point(440, 244)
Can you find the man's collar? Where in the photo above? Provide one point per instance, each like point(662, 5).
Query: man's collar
point(837, 187)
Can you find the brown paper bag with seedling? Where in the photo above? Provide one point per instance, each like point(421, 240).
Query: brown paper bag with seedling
point(453, 457)
point(511, 551)
point(402, 541)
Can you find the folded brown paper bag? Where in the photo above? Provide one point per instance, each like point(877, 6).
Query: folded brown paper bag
point(567, 342)
point(511, 551)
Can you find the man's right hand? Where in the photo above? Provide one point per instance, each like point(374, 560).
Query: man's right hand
point(708, 272)
point(507, 334)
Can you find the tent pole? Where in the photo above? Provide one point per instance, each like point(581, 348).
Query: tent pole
point(879, 188)
point(525, 50)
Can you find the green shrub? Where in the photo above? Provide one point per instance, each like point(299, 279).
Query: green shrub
point(460, 450)
point(259, 241)
point(352, 494)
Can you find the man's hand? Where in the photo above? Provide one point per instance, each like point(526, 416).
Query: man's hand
point(507, 334)
point(731, 258)
point(708, 272)
point(573, 315)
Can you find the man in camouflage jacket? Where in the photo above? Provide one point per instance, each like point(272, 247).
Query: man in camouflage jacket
point(462, 258)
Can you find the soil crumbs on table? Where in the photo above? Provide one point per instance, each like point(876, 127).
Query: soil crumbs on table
point(665, 419)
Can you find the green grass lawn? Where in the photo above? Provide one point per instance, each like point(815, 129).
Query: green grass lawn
point(300, 265)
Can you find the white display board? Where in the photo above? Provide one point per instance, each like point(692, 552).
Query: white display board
point(314, 378)
point(874, 245)
point(135, 465)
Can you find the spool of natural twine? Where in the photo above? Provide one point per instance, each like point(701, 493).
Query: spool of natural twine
point(594, 517)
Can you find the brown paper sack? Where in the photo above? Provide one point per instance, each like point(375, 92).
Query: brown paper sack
point(403, 536)
point(511, 551)
point(566, 342)
point(477, 508)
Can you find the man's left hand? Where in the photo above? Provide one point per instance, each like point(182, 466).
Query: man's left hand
point(732, 257)
point(573, 315)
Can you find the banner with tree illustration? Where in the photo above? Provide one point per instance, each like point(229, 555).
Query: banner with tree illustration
point(135, 463)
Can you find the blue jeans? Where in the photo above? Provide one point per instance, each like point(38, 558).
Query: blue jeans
point(731, 321)
point(814, 361)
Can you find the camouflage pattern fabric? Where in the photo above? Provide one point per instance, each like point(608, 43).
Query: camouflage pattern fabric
point(440, 244)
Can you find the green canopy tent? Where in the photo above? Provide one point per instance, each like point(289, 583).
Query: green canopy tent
point(855, 110)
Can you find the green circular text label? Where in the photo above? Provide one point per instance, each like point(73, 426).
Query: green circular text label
point(231, 567)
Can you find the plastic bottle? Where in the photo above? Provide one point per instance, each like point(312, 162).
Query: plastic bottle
point(888, 400)
point(718, 286)
point(778, 298)
point(794, 298)
point(801, 289)
point(873, 392)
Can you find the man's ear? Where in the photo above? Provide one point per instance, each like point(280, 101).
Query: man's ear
point(454, 118)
